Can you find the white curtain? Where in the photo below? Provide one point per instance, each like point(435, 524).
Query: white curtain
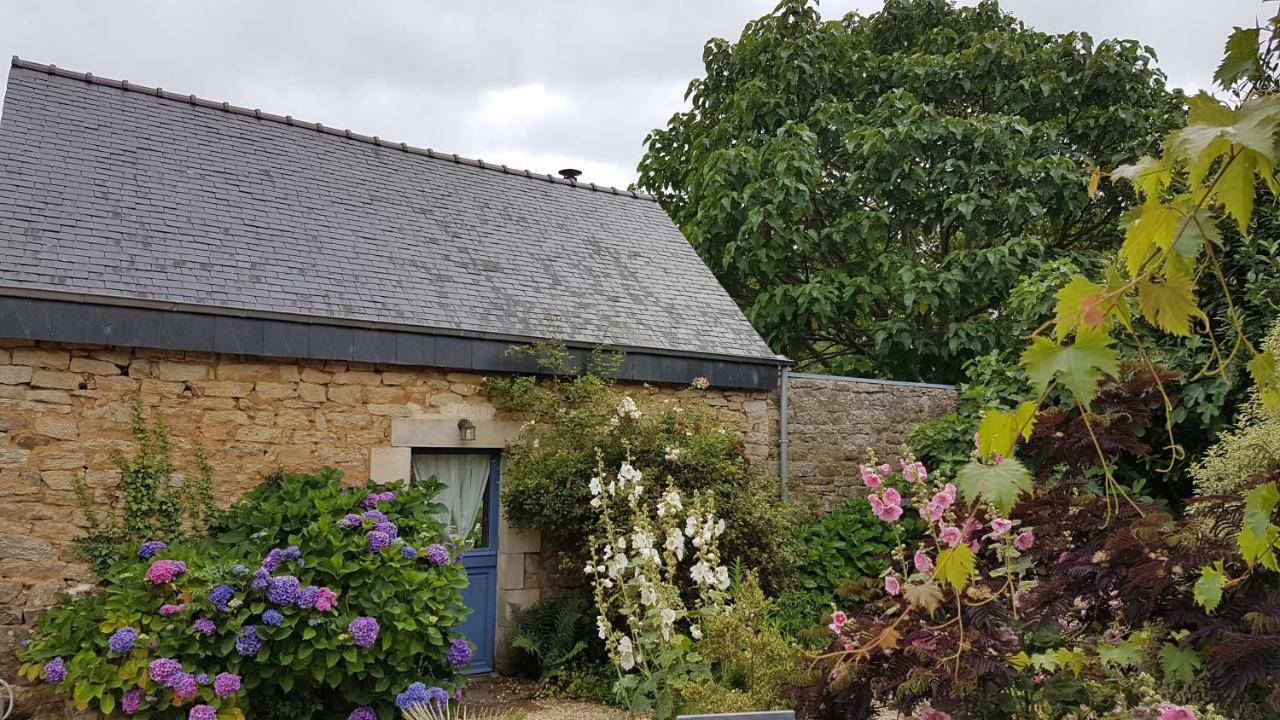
point(465, 479)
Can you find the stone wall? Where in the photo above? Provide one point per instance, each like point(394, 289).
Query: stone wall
point(65, 409)
point(833, 421)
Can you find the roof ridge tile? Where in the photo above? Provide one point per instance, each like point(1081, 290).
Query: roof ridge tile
point(289, 120)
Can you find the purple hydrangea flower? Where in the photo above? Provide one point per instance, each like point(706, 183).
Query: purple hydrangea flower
point(459, 653)
point(220, 595)
point(291, 553)
point(150, 548)
point(375, 515)
point(54, 671)
point(351, 520)
point(420, 695)
point(169, 609)
point(131, 701)
point(122, 640)
point(162, 670)
point(283, 590)
point(204, 626)
point(272, 617)
point(202, 678)
point(184, 685)
point(436, 554)
point(272, 561)
point(374, 498)
point(202, 712)
point(226, 684)
point(261, 579)
point(248, 643)
point(364, 630)
point(408, 553)
point(164, 571)
point(307, 597)
point(363, 713)
point(388, 527)
point(377, 540)
point(239, 569)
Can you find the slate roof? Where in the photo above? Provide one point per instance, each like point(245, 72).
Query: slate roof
point(119, 193)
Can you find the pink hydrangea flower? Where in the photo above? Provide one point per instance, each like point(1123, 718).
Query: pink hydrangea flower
point(891, 585)
point(1169, 711)
point(923, 563)
point(164, 571)
point(326, 599)
point(951, 535)
point(1024, 541)
point(838, 619)
point(1000, 526)
point(169, 609)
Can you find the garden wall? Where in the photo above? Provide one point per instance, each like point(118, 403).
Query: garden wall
point(834, 420)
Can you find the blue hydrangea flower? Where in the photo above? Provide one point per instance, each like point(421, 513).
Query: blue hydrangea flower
point(261, 579)
point(239, 569)
point(248, 643)
point(271, 562)
point(436, 554)
point(364, 631)
point(291, 553)
point(122, 640)
point(272, 617)
point(375, 515)
point(408, 553)
point(307, 597)
point(203, 678)
point(459, 653)
point(387, 527)
point(351, 520)
point(420, 695)
point(283, 590)
point(377, 540)
point(220, 595)
point(150, 548)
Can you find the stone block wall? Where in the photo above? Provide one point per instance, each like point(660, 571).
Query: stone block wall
point(833, 421)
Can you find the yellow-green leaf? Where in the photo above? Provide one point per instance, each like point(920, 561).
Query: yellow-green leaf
point(1170, 304)
point(1208, 589)
point(1235, 189)
point(1259, 505)
point(1263, 369)
point(1000, 484)
point(999, 430)
point(1081, 303)
point(1074, 660)
point(1079, 366)
point(955, 565)
point(1150, 231)
point(1148, 175)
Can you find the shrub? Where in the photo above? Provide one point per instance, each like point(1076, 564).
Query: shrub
point(573, 422)
point(156, 502)
point(846, 544)
point(751, 661)
point(292, 609)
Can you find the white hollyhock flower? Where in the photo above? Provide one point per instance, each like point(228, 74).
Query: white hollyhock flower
point(672, 454)
point(695, 632)
point(702, 574)
point(596, 486)
point(627, 473)
point(722, 578)
point(626, 656)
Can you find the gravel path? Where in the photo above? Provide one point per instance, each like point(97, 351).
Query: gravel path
point(500, 693)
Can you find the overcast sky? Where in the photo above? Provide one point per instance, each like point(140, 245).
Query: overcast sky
point(542, 85)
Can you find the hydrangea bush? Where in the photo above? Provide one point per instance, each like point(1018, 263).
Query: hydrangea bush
point(638, 568)
point(303, 602)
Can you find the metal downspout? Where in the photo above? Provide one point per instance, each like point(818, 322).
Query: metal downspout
point(784, 439)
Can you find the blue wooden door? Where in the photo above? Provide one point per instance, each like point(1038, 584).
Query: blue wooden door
point(481, 593)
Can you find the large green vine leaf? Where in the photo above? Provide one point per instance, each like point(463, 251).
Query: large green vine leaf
point(1000, 484)
point(1079, 366)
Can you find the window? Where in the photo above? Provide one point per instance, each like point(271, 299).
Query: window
point(466, 479)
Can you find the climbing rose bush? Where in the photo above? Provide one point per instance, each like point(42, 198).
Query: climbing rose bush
point(638, 568)
point(303, 602)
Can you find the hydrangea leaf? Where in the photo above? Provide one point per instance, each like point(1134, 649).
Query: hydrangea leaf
point(1179, 664)
point(1208, 589)
point(955, 565)
point(1169, 304)
point(926, 595)
point(999, 484)
point(1079, 366)
point(999, 430)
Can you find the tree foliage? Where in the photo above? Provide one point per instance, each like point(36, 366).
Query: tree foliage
point(869, 189)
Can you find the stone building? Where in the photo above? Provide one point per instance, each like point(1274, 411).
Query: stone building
point(289, 295)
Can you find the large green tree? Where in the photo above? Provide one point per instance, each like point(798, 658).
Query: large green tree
point(869, 189)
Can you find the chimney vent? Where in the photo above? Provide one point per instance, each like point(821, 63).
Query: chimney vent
point(570, 173)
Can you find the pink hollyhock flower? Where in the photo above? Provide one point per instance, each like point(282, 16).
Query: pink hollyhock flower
point(1169, 711)
point(1024, 541)
point(886, 511)
point(869, 476)
point(951, 535)
point(933, 511)
point(885, 469)
point(923, 562)
point(838, 619)
point(950, 491)
point(891, 585)
point(1000, 526)
point(892, 497)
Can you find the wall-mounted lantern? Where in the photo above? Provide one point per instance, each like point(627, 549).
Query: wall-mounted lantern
point(466, 430)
